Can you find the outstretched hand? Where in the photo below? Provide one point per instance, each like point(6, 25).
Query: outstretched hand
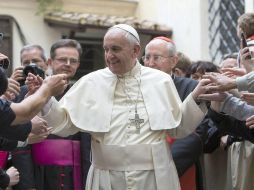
point(13, 173)
point(201, 88)
point(33, 83)
point(39, 125)
point(56, 84)
point(220, 82)
point(12, 91)
point(233, 72)
point(250, 122)
point(32, 138)
point(248, 97)
point(215, 96)
point(203, 92)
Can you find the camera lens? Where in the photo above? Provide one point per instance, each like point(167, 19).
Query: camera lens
point(29, 69)
point(34, 69)
point(4, 63)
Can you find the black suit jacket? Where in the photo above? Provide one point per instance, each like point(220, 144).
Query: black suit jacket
point(184, 86)
point(185, 151)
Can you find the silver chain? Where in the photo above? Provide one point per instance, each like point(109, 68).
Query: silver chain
point(126, 93)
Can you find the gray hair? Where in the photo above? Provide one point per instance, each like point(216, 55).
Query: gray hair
point(34, 46)
point(65, 43)
point(171, 49)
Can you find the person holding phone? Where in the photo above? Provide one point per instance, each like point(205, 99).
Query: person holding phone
point(245, 32)
point(241, 174)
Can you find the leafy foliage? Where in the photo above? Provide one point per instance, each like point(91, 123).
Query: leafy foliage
point(45, 5)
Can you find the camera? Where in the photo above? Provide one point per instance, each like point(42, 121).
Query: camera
point(34, 69)
point(31, 68)
point(4, 63)
point(3, 81)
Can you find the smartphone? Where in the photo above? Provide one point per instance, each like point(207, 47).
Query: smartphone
point(244, 44)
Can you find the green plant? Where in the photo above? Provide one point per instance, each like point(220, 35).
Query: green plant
point(45, 5)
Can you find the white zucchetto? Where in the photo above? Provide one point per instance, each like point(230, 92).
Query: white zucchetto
point(128, 29)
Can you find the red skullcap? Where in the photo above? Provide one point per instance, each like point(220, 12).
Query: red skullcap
point(165, 39)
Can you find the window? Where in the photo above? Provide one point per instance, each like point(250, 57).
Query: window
point(223, 17)
point(92, 58)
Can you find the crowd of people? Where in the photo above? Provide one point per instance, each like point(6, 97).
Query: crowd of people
point(136, 124)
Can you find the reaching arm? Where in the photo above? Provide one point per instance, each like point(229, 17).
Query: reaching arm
point(31, 105)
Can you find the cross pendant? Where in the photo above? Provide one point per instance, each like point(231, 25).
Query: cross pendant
point(137, 121)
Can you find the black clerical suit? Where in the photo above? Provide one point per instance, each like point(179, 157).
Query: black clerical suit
point(185, 151)
point(52, 177)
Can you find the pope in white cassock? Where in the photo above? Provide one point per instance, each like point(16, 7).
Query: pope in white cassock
point(128, 109)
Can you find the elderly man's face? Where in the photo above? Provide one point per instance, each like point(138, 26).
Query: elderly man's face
point(229, 63)
point(157, 56)
point(120, 54)
point(33, 56)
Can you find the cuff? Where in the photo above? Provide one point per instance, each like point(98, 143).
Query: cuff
point(45, 110)
point(22, 143)
point(241, 83)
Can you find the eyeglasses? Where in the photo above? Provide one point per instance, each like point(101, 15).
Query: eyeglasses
point(4, 63)
point(66, 60)
point(156, 58)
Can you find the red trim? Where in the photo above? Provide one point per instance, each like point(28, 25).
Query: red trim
point(3, 158)
point(188, 179)
point(251, 38)
point(165, 39)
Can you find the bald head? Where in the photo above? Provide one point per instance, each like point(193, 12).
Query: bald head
point(161, 55)
point(165, 46)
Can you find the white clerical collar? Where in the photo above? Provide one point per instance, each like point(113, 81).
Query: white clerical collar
point(134, 72)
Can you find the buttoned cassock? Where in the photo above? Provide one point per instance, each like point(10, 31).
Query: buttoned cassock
point(99, 103)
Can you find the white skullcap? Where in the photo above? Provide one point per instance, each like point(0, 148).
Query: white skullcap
point(128, 29)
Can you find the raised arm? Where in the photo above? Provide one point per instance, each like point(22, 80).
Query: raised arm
point(31, 105)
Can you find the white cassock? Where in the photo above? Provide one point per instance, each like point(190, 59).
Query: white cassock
point(122, 156)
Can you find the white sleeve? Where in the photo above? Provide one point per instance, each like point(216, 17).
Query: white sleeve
point(58, 118)
point(192, 115)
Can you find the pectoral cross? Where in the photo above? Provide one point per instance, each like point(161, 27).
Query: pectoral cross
point(137, 121)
